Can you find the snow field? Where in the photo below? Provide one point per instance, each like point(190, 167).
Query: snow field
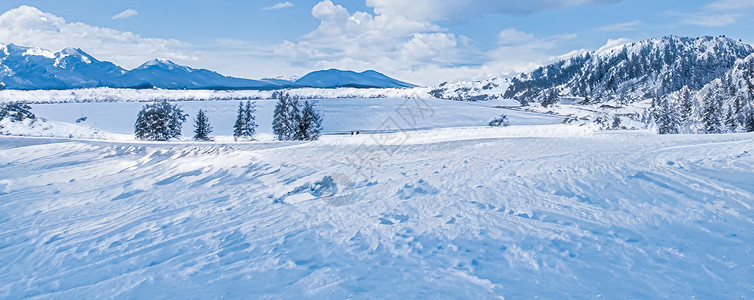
point(476, 214)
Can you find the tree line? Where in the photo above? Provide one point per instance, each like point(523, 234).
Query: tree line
point(291, 121)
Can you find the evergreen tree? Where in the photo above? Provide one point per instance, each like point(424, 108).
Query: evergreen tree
point(294, 118)
point(551, 96)
point(731, 123)
point(309, 123)
point(667, 118)
point(685, 106)
point(202, 128)
point(281, 118)
point(239, 125)
point(249, 120)
point(711, 122)
point(16, 111)
point(159, 122)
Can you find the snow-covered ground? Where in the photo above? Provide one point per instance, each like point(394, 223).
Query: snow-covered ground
point(548, 211)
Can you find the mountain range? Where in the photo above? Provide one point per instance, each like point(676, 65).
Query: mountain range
point(26, 68)
point(623, 74)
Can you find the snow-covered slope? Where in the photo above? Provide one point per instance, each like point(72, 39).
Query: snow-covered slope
point(635, 71)
point(450, 214)
point(472, 90)
point(724, 105)
point(337, 78)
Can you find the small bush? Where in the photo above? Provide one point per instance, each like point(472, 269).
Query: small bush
point(502, 120)
point(16, 112)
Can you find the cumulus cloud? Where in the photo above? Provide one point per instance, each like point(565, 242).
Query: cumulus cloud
point(29, 26)
point(404, 38)
point(280, 5)
point(125, 14)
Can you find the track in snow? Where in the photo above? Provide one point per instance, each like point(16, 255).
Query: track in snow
point(616, 215)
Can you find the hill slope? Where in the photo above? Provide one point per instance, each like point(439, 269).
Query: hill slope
point(636, 71)
point(615, 215)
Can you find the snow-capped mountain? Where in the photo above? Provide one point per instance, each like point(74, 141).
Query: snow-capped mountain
point(169, 75)
point(36, 68)
point(337, 78)
point(635, 71)
point(25, 68)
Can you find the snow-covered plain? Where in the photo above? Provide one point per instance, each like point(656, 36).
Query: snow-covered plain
point(549, 211)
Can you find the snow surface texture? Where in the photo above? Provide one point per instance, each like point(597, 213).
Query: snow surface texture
point(451, 213)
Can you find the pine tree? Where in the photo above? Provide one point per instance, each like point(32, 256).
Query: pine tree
point(731, 123)
point(249, 120)
point(294, 118)
point(202, 128)
point(16, 111)
point(159, 122)
point(281, 118)
point(239, 125)
point(551, 96)
point(685, 106)
point(667, 118)
point(711, 122)
point(309, 123)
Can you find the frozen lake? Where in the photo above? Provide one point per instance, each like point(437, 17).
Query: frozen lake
point(340, 115)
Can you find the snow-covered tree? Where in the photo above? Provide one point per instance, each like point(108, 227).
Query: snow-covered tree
point(711, 119)
point(159, 122)
point(290, 121)
point(16, 111)
point(202, 128)
point(249, 120)
point(551, 97)
point(281, 118)
point(309, 123)
point(245, 126)
point(667, 119)
point(238, 126)
point(501, 120)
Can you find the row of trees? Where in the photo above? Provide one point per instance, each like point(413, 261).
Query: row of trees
point(704, 112)
point(16, 112)
point(291, 121)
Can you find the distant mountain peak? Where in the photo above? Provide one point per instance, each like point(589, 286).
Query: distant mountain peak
point(333, 78)
point(162, 63)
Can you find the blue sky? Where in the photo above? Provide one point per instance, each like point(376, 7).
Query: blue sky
point(422, 41)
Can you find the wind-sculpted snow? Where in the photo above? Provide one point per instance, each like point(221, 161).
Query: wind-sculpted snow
point(572, 214)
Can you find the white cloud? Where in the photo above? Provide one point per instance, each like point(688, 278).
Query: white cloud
point(715, 20)
point(125, 14)
point(627, 26)
point(719, 13)
point(280, 5)
point(730, 5)
point(28, 26)
point(433, 10)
